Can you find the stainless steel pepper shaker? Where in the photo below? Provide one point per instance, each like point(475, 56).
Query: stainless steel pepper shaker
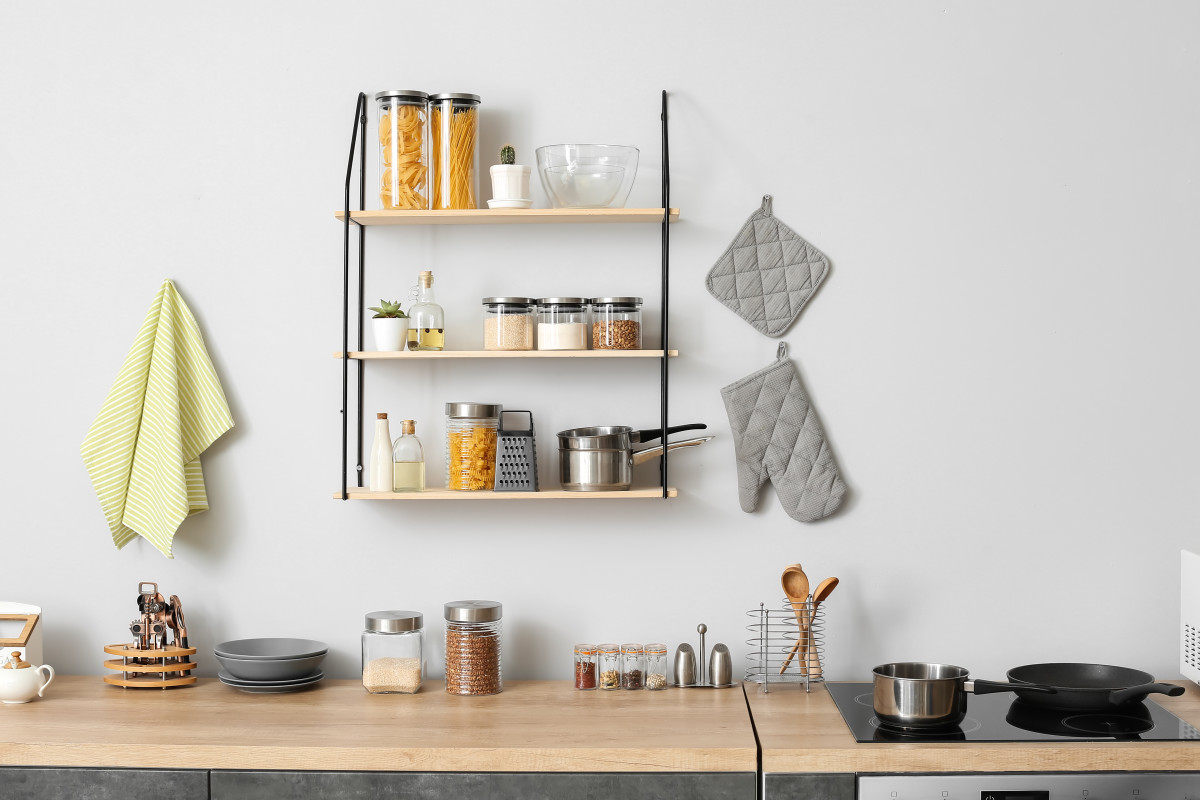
point(685, 665)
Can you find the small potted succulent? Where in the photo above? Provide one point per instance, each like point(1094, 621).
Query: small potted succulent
point(390, 326)
point(510, 181)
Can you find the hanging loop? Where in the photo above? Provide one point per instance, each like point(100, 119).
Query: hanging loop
point(781, 351)
point(766, 205)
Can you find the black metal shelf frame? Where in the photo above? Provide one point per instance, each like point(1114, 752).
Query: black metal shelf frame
point(358, 144)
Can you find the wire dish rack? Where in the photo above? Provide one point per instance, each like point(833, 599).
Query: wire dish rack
point(782, 649)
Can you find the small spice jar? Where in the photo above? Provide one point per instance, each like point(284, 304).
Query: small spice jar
point(403, 149)
point(562, 323)
point(508, 323)
point(473, 647)
point(471, 445)
point(454, 127)
point(633, 667)
point(610, 666)
point(585, 666)
point(616, 323)
point(656, 666)
point(393, 644)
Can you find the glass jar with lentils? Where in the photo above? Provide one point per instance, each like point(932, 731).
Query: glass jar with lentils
point(473, 629)
point(616, 323)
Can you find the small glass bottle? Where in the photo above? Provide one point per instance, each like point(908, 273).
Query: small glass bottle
point(616, 323)
point(656, 666)
point(471, 433)
point(562, 323)
point(610, 666)
point(408, 460)
point(403, 149)
point(633, 667)
point(473, 647)
point(454, 127)
point(393, 652)
point(426, 319)
point(585, 666)
point(508, 323)
point(381, 456)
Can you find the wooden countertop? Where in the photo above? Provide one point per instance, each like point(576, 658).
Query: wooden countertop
point(804, 733)
point(540, 726)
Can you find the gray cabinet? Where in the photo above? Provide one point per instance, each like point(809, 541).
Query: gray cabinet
point(797, 786)
point(83, 783)
point(271, 785)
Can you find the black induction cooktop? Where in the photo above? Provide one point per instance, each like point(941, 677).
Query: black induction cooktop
point(1001, 718)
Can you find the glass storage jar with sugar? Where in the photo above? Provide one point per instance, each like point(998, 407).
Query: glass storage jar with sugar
point(508, 323)
point(471, 445)
point(403, 149)
point(473, 629)
point(562, 323)
point(454, 126)
point(393, 648)
point(616, 323)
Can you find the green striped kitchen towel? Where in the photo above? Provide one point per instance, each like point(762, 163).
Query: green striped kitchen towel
point(165, 408)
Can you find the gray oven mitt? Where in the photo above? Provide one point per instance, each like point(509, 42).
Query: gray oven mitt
point(767, 273)
point(776, 435)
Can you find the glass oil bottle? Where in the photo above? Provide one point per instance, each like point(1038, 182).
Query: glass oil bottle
point(426, 319)
point(408, 460)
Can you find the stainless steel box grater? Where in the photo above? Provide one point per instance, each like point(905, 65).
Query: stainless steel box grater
point(1189, 615)
point(516, 457)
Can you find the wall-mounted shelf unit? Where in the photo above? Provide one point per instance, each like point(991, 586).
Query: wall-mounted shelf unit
point(362, 219)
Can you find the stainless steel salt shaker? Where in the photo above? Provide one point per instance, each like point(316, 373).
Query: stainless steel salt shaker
point(720, 666)
point(685, 665)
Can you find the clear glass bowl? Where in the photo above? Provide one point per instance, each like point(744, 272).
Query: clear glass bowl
point(587, 175)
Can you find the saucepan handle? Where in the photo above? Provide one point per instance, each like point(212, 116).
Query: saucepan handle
point(650, 434)
point(642, 456)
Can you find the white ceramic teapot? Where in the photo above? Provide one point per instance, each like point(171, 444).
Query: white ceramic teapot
point(20, 681)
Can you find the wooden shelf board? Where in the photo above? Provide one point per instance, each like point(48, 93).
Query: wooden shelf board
point(439, 354)
point(498, 216)
point(359, 493)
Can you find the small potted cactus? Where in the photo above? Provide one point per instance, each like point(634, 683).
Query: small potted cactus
point(510, 182)
point(389, 326)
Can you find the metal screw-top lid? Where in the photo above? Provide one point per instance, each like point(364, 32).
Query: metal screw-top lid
point(457, 97)
point(561, 301)
point(403, 94)
point(508, 301)
point(617, 301)
point(474, 611)
point(395, 621)
point(473, 410)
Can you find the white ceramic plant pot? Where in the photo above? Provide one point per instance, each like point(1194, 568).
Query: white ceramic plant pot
point(390, 333)
point(510, 182)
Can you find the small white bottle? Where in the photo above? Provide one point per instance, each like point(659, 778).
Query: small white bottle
point(408, 460)
point(381, 456)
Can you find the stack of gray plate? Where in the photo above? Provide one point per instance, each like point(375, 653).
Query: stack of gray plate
point(270, 665)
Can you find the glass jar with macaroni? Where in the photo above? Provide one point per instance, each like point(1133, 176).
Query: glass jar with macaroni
point(403, 149)
point(471, 445)
point(454, 126)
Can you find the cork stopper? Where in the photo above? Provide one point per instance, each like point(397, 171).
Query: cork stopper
point(15, 661)
point(407, 426)
point(381, 415)
point(426, 278)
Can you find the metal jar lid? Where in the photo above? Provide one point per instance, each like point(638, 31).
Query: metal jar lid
point(395, 621)
point(561, 301)
point(617, 301)
point(473, 410)
point(508, 301)
point(474, 611)
point(402, 94)
point(455, 96)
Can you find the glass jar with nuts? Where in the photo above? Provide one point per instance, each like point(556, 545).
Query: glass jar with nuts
point(610, 666)
point(616, 323)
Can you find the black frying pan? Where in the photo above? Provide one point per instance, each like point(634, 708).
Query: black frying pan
point(1087, 687)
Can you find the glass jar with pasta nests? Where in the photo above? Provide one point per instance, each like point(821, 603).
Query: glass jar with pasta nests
point(454, 126)
point(403, 149)
point(471, 445)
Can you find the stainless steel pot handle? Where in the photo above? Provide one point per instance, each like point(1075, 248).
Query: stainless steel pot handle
point(642, 456)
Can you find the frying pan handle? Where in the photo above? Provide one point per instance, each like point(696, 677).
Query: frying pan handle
point(650, 434)
point(991, 687)
point(1123, 696)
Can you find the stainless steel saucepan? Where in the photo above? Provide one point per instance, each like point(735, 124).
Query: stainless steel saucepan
point(601, 458)
point(914, 695)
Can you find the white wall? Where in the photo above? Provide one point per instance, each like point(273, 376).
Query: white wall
point(1004, 354)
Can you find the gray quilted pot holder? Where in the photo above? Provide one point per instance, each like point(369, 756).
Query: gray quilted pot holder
point(767, 273)
point(776, 435)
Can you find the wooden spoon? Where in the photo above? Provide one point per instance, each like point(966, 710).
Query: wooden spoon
point(823, 590)
point(795, 586)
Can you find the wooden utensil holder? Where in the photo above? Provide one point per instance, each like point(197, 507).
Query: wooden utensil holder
point(150, 669)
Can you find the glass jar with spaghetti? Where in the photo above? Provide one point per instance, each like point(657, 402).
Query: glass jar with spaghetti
point(616, 323)
point(454, 126)
point(508, 323)
point(403, 149)
point(471, 445)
